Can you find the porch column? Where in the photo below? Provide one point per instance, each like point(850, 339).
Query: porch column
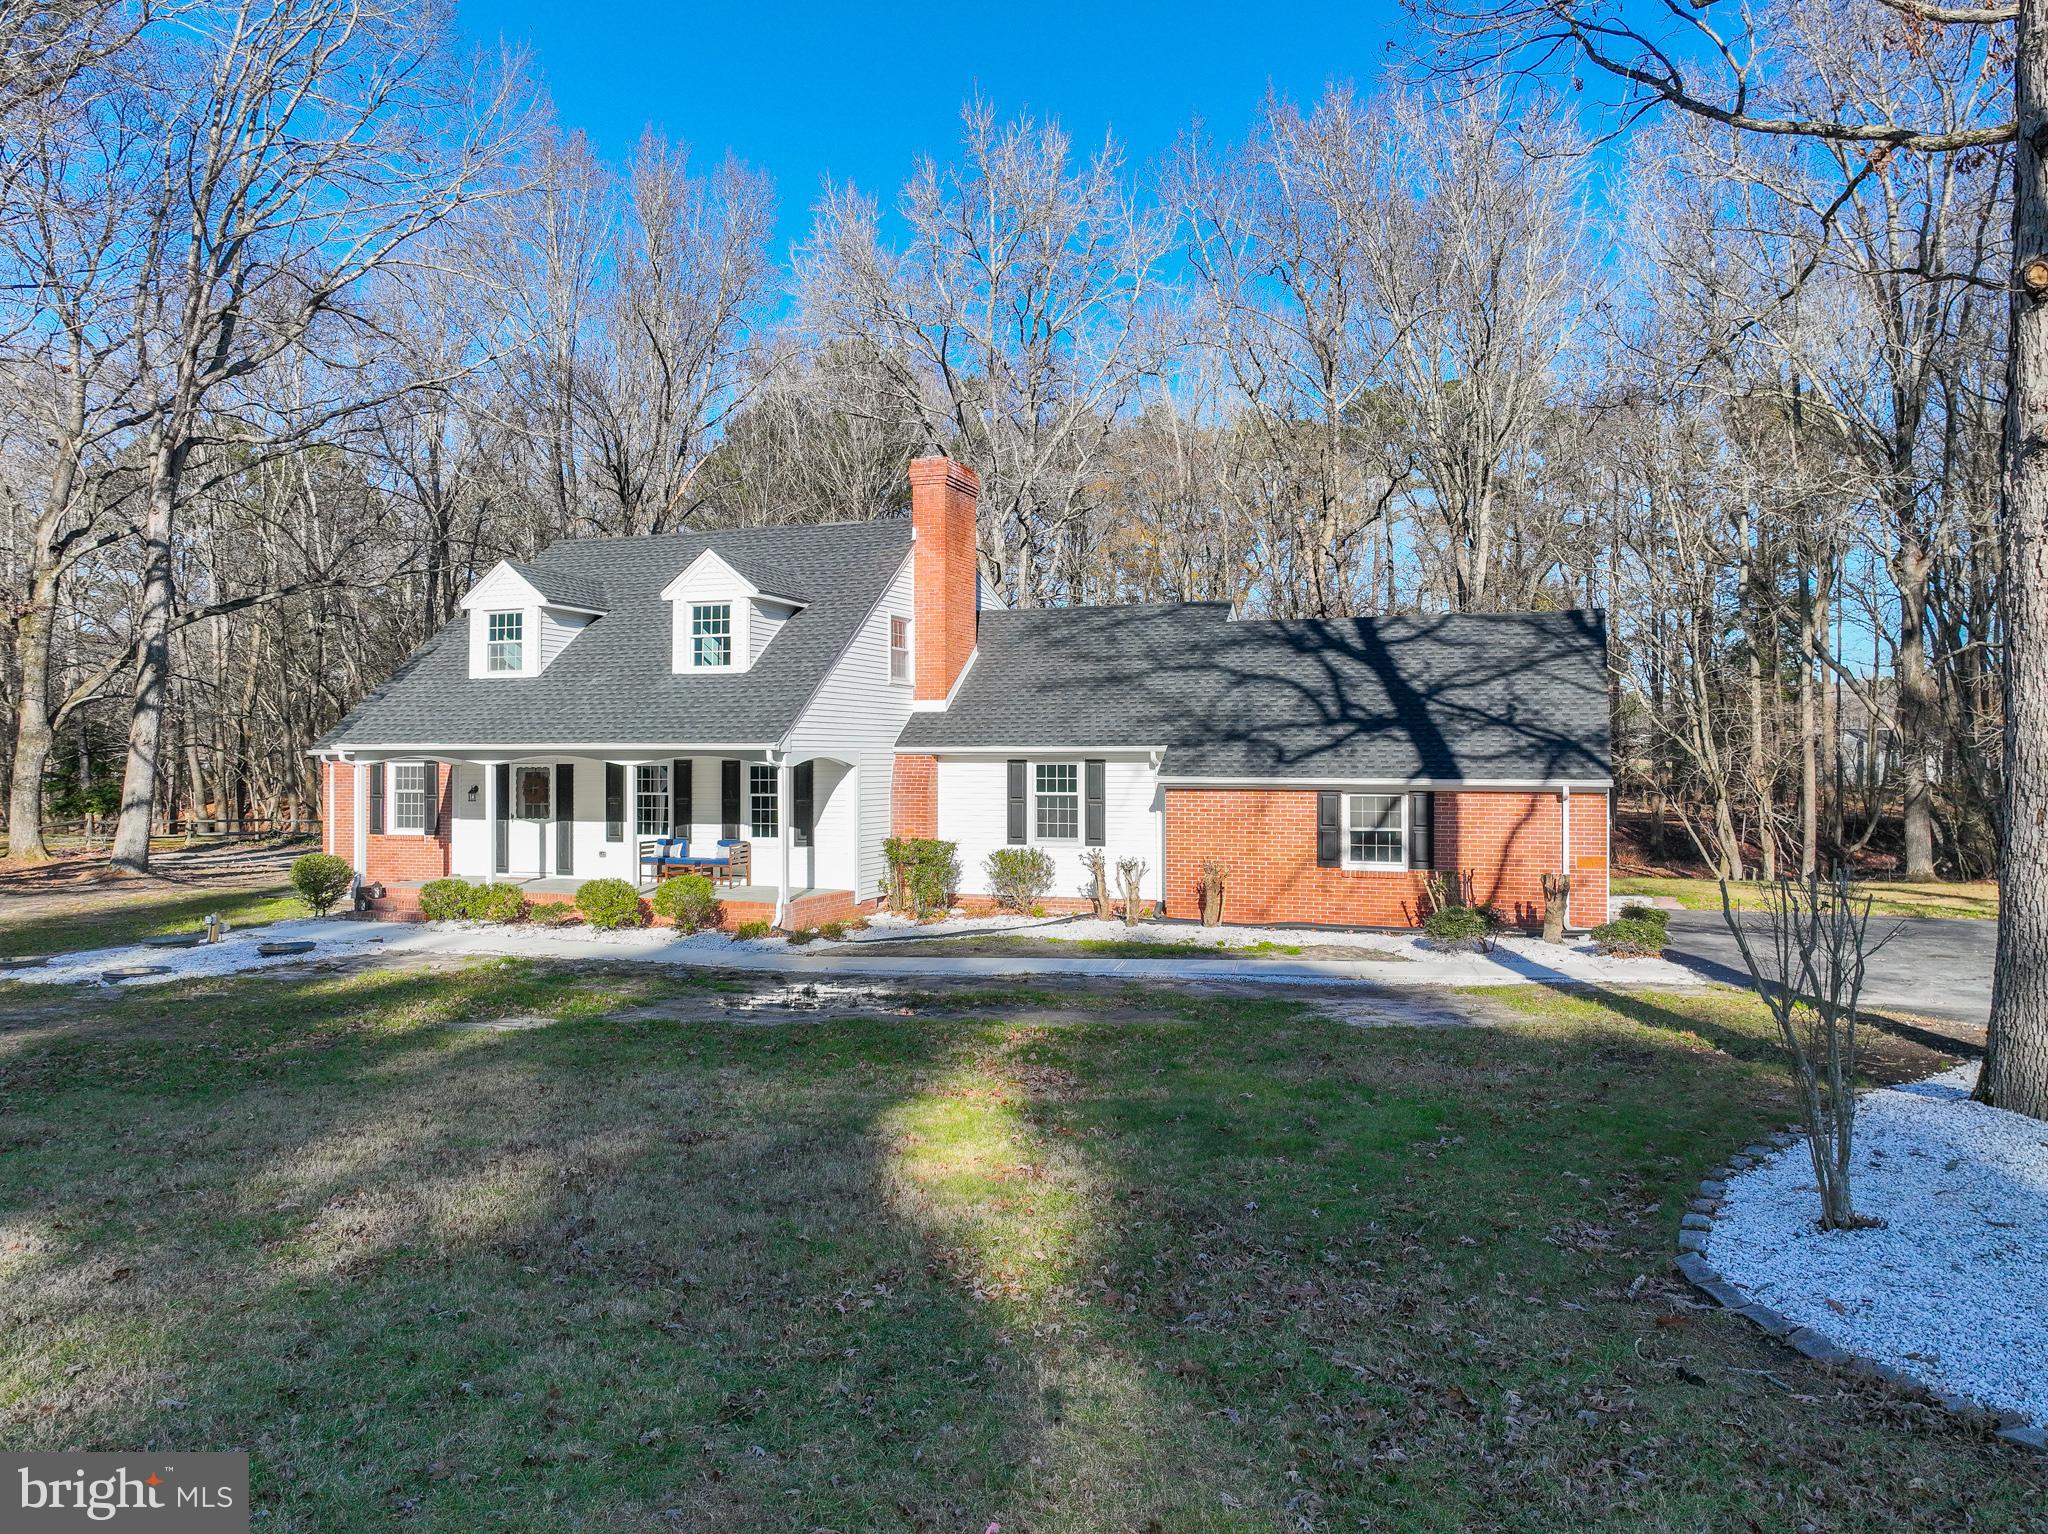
point(490, 821)
point(359, 830)
point(783, 806)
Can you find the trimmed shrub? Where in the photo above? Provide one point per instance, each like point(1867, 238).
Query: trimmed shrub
point(747, 931)
point(496, 902)
point(1636, 911)
point(688, 900)
point(923, 873)
point(609, 903)
point(322, 879)
point(1454, 927)
point(446, 899)
point(1018, 876)
point(1632, 936)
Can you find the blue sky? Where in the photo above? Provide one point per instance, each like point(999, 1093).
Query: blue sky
point(856, 92)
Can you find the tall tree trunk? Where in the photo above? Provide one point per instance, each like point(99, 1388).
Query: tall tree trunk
point(1917, 702)
point(2015, 1071)
point(34, 737)
point(152, 666)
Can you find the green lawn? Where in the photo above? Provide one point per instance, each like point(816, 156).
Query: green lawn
point(1887, 897)
point(97, 921)
point(1127, 1262)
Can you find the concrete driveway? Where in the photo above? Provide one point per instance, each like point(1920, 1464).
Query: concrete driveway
point(1937, 966)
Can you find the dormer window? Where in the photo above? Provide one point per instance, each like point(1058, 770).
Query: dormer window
point(505, 642)
point(711, 634)
point(899, 650)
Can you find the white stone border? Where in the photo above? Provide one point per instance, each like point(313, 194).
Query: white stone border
point(1692, 1265)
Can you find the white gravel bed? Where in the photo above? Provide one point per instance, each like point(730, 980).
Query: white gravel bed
point(234, 953)
point(1954, 1289)
point(884, 927)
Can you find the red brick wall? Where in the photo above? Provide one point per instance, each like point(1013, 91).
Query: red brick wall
point(943, 495)
point(1589, 859)
point(1266, 837)
point(914, 796)
point(339, 813)
point(392, 859)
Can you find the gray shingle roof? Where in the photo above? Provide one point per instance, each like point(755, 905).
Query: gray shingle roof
point(561, 587)
point(614, 682)
point(1470, 697)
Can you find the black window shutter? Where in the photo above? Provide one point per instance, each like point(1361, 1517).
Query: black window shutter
point(1018, 807)
point(501, 834)
point(565, 818)
point(433, 776)
point(1421, 830)
point(1329, 828)
point(679, 797)
point(729, 799)
point(376, 798)
point(614, 802)
point(1098, 814)
point(802, 785)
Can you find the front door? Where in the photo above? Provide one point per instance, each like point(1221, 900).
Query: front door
point(533, 804)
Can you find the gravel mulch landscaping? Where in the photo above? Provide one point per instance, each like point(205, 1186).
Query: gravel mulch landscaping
point(1949, 1292)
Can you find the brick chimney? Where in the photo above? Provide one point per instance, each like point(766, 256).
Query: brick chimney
point(943, 495)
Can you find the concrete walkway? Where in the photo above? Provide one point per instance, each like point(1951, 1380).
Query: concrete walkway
point(1516, 961)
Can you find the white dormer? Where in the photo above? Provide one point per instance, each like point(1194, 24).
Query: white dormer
point(517, 628)
point(721, 621)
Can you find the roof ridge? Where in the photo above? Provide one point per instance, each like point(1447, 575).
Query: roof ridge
point(701, 535)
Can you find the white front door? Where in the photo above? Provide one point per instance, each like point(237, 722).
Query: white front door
point(533, 806)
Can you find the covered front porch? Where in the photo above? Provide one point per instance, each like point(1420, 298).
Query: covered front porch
point(778, 834)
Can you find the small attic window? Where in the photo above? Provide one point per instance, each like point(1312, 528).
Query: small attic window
point(505, 642)
point(711, 634)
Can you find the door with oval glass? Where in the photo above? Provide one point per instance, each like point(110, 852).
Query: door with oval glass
point(533, 806)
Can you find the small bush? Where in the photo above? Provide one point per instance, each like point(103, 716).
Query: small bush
point(832, 931)
point(496, 902)
point(688, 900)
point(747, 931)
point(1462, 926)
point(1636, 911)
point(322, 879)
point(446, 899)
point(609, 903)
point(923, 873)
point(1018, 876)
point(803, 936)
point(1633, 936)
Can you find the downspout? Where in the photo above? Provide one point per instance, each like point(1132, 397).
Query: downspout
point(1565, 852)
point(1157, 759)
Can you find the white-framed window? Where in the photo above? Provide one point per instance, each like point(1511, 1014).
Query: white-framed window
point(1375, 830)
point(1056, 801)
point(408, 797)
point(650, 799)
point(505, 641)
point(763, 806)
point(711, 633)
point(899, 649)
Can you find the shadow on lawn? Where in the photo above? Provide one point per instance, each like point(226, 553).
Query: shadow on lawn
point(1239, 1270)
point(470, 1277)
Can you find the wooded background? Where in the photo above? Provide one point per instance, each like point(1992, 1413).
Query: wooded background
point(307, 318)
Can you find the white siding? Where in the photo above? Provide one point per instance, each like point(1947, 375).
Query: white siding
point(764, 622)
point(855, 718)
point(974, 798)
point(557, 628)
